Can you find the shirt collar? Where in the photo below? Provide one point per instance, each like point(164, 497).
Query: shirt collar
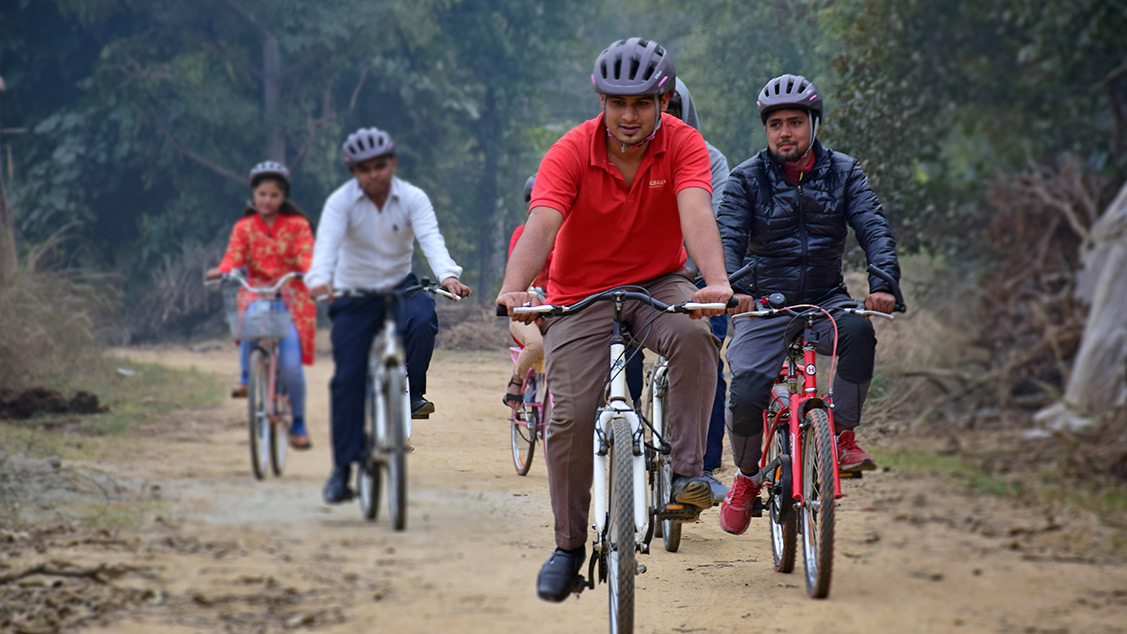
point(600, 138)
point(358, 193)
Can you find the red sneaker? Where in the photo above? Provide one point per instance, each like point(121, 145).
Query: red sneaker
point(736, 509)
point(850, 457)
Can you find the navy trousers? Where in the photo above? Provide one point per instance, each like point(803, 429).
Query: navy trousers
point(356, 321)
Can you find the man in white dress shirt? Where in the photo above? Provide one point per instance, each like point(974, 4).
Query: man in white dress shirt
point(365, 240)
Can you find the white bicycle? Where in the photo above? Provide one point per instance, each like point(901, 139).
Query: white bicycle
point(387, 421)
point(621, 510)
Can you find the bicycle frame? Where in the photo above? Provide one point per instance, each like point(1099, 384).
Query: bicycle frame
point(388, 355)
point(798, 405)
point(618, 406)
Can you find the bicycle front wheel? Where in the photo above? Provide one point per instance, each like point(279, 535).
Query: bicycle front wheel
point(784, 533)
point(368, 477)
point(621, 554)
point(258, 417)
point(280, 429)
point(398, 418)
point(523, 425)
point(818, 470)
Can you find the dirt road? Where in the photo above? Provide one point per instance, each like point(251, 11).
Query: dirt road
point(227, 553)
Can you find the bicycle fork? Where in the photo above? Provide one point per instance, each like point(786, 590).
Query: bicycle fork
point(617, 407)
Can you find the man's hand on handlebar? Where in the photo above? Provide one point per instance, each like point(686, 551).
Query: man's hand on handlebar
point(511, 300)
point(213, 274)
point(711, 294)
point(321, 290)
point(881, 302)
point(746, 305)
point(456, 287)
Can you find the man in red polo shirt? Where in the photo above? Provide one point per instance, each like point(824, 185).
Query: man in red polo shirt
point(620, 196)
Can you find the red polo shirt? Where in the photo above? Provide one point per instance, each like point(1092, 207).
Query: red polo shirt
point(614, 235)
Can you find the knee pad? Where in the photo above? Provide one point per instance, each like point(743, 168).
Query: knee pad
point(748, 396)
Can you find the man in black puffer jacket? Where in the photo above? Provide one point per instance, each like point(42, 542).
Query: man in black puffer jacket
point(787, 211)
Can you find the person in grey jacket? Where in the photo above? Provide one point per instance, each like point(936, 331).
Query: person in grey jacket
point(786, 212)
point(682, 107)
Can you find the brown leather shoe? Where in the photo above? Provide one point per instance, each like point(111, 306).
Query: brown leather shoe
point(239, 390)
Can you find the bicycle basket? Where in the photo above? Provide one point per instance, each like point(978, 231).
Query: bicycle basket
point(252, 316)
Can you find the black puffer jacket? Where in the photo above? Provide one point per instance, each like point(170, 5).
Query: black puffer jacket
point(795, 235)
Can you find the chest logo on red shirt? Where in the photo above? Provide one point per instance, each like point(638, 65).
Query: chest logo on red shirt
point(657, 183)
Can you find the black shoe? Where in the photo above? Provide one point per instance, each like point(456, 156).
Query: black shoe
point(421, 408)
point(560, 574)
point(336, 489)
point(695, 491)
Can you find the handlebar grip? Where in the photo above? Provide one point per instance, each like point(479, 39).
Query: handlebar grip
point(733, 302)
point(502, 311)
point(900, 306)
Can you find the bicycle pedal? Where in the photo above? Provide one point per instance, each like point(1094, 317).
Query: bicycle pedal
point(682, 512)
point(852, 475)
point(420, 416)
point(756, 507)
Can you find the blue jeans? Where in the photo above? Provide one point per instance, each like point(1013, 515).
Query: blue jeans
point(289, 358)
point(356, 321)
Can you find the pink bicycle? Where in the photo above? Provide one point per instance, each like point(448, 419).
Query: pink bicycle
point(529, 420)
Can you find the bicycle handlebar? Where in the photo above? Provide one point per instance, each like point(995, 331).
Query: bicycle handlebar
point(433, 289)
point(791, 311)
point(259, 290)
point(900, 306)
point(618, 295)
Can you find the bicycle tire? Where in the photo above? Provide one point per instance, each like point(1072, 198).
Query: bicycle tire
point(621, 553)
point(670, 529)
point(818, 471)
point(280, 427)
point(398, 417)
point(369, 476)
point(258, 421)
point(523, 422)
point(783, 525)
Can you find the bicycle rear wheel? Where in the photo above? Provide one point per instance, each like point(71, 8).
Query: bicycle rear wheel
point(670, 529)
point(280, 429)
point(368, 477)
point(784, 531)
point(621, 554)
point(818, 470)
point(523, 424)
point(398, 418)
point(258, 418)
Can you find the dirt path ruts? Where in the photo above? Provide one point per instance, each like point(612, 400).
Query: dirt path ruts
point(913, 553)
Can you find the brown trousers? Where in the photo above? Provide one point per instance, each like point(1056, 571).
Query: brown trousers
point(577, 351)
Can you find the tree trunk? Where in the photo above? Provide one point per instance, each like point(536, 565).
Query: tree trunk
point(489, 235)
point(1097, 383)
point(7, 225)
point(272, 97)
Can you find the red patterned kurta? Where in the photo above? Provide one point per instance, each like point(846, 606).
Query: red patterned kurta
point(268, 253)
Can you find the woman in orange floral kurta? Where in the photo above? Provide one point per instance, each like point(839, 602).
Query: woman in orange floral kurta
point(274, 238)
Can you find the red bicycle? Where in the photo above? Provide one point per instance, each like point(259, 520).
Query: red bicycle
point(798, 468)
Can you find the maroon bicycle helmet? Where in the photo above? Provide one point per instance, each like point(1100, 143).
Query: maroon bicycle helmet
point(634, 67)
point(789, 91)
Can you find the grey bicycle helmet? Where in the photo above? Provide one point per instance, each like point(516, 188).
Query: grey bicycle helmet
point(634, 67)
point(270, 168)
point(366, 143)
point(789, 91)
point(528, 188)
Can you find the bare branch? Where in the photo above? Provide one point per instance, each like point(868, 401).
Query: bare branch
point(100, 573)
point(222, 171)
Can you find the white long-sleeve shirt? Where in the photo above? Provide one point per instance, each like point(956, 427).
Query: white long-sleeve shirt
point(361, 246)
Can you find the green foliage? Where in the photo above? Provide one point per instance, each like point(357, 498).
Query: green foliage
point(940, 98)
